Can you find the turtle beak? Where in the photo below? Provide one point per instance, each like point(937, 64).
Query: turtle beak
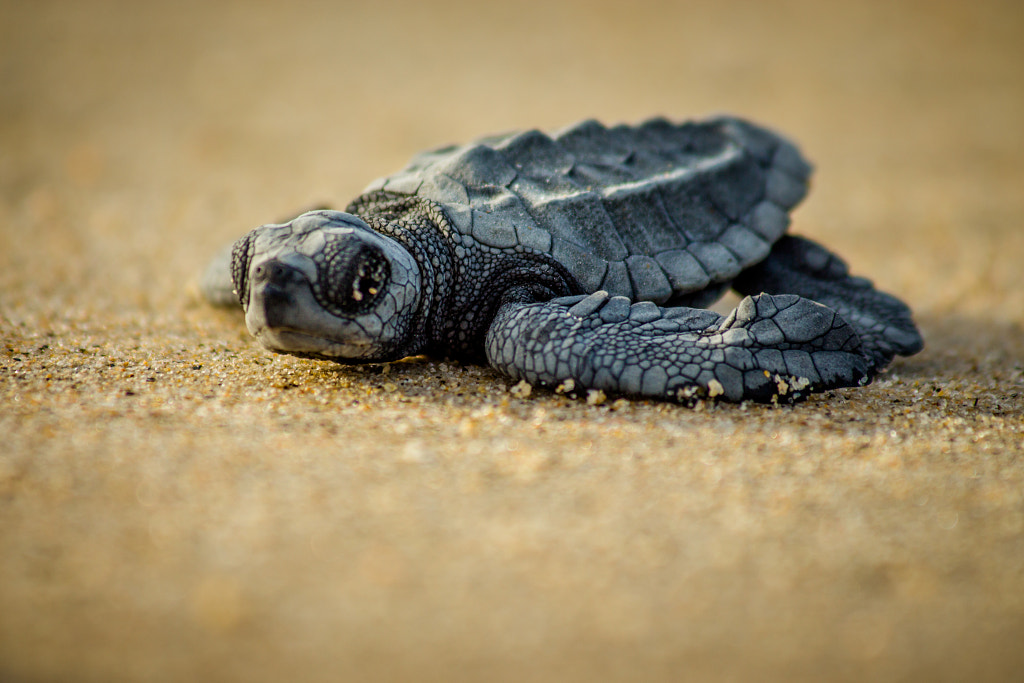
point(274, 290)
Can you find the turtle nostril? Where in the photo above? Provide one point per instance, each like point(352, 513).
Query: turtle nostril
point(276, 273)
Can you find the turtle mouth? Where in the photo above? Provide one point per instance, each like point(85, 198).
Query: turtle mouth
point(297, 342)
point(285, 317)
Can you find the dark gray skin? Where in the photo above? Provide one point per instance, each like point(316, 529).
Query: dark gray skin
point(579, 260)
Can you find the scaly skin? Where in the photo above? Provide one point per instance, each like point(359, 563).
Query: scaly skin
point(769, 349)
point(463, 278)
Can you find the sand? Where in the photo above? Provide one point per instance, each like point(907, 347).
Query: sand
point(178, 504)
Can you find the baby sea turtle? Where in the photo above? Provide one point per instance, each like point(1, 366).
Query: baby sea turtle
point(580, 259)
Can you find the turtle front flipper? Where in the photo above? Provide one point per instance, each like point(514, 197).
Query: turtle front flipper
point(799, 266)
point(215, 283)
point(770, 348)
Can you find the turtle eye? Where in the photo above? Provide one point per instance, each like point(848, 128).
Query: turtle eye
point(361, 281)
point(367, 283)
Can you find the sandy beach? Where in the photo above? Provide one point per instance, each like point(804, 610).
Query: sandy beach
point(178, 504)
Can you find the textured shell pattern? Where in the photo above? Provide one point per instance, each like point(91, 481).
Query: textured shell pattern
point(651, 212)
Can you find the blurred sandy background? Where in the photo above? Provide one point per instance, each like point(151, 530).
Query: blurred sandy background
point(176, 504)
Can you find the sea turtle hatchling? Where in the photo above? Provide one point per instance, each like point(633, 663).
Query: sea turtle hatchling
point(579, 259)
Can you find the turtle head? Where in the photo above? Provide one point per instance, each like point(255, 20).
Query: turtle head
point(327, 286)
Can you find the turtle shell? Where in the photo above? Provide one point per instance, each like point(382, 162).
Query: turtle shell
point(653, 212)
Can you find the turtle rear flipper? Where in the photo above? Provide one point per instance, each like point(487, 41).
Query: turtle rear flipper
point(771, 348)
point(797, 265)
